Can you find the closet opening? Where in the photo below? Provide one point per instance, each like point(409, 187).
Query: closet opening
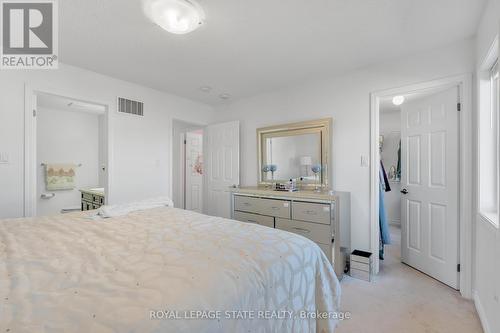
point(419, 187)
point(390, 183)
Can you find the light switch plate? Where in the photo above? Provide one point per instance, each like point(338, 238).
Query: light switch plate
point(4, 158)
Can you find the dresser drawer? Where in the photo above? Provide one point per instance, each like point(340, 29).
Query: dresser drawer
point(316, 232)
point(246, 204)
point(270, 207)
point(312, 212)
point(278, 208)
point(254, 218)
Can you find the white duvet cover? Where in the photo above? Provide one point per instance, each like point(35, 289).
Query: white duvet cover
point(161, 270)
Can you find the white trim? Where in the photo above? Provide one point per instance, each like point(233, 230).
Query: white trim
point(193, 126)
point(182, 168)
point(464, 82)
point(491, 56)
point(481, 313)
point(484, 92)
point(30, 175)
point(491, 218)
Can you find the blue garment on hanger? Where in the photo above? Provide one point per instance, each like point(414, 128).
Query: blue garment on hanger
point(385, 235)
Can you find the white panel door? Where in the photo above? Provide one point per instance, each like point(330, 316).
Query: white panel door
point(429, 182)
point(194, 171)
point(222, 165)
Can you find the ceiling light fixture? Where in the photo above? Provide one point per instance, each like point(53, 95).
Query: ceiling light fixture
point(398, 100)
point(224, 96)
point(175, 16)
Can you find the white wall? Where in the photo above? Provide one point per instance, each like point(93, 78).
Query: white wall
point(141, 147)
point(487, 244)
point(390, 128)
point(65, 136)
point(346, 99)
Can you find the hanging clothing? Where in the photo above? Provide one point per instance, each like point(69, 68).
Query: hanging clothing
point(384, 224)
point(387, 186)
point(398, 170)
point(385, 236)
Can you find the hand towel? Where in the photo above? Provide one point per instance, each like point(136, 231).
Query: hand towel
point(59, 176)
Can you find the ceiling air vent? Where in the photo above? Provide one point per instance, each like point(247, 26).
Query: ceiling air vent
point(131, 107)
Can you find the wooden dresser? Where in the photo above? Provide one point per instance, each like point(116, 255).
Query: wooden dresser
point(322, 217)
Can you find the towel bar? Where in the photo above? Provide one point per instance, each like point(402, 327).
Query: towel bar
point(78, 165)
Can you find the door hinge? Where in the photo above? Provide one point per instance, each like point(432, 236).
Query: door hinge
point(185, 141)
point(458, 268)
point(34, 113)
point(459, 106)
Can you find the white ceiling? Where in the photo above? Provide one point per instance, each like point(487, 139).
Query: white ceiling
point(252, 46)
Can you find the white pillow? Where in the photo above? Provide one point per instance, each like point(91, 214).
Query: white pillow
point(124, 209)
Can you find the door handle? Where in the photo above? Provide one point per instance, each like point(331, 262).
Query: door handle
point(404, 191)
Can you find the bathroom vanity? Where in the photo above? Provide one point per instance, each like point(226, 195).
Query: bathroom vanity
point(92, 198)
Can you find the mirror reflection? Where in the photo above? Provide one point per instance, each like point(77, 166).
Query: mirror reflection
point(298, 152)
point(292, 157)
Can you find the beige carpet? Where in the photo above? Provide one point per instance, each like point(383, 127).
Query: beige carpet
point(402, 300)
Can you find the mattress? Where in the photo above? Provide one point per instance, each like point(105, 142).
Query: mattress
point(161, 270)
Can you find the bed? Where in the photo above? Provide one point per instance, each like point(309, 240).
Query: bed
point(161, 270)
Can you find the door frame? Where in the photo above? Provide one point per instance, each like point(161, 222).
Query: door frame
point(464, 82)
point(30, 140)
point(181, 181)
point(184, 166)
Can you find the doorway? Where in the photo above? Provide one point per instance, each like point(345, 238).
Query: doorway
point(67, 148)
point(206, 166)
point(70, 153)
point(429, 201)
point(188, 167)
point(419, 179)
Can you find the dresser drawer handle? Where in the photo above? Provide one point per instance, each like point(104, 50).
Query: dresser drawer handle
point(252, 221)
point(247, 204)
point(301, 230)
point(310, 212)
point(275, 208)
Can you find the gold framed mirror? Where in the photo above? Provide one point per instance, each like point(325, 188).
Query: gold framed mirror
point(295, 151)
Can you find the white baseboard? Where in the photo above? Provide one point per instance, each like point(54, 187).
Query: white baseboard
point(481, 313)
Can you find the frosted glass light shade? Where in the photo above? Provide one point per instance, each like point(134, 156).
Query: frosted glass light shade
point(175, 16)
point(398, 100)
